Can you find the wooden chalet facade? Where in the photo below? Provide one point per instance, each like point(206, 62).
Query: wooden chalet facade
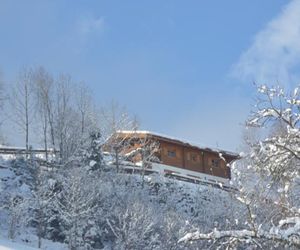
point(180, 154)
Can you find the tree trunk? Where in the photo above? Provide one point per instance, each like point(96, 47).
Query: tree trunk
point(82, 123)
point(143, 172)
point(45, 137)
point(51, 125)
point(26, 121)
point(39, 230)
point(117, 159)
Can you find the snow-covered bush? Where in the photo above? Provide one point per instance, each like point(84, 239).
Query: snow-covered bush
point(76, 202)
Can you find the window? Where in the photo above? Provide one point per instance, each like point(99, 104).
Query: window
point(215, 162)
point(171, 153)
point(194, 157)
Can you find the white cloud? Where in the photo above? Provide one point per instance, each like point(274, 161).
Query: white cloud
point(275, 53)
point(90, 25)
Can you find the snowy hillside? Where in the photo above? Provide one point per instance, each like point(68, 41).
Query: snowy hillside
point(164, 209)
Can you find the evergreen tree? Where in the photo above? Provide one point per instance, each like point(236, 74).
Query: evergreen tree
point(93, 154)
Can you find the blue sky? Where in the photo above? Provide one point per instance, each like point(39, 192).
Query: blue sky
point(184, 67)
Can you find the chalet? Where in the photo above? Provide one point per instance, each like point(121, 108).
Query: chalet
point(179, 157)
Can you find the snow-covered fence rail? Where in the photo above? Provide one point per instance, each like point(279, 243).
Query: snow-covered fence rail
point(180, 174)
point(4, 150)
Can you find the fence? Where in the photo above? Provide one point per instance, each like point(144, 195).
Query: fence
point(13, 151)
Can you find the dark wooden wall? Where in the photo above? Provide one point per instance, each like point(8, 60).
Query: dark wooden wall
point(193, 159)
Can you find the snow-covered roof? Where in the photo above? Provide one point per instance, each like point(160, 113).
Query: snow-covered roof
point(178, 140)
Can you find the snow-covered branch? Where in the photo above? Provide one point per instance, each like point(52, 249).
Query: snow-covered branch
point(289, 235)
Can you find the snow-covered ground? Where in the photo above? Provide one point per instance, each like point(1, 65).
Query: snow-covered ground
point(18, 244)
point(10, 245)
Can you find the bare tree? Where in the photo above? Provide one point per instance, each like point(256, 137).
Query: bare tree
point(115, 120)
point(149, 150)
point(21, 100)
point(1, 91)
point(2, 99)
point(62, 111)
point(43, 83)
point(84, 106)
point(67, 124)
point(133, 147)
point(118, 144)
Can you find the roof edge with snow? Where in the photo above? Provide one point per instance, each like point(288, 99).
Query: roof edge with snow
point(180, 141)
